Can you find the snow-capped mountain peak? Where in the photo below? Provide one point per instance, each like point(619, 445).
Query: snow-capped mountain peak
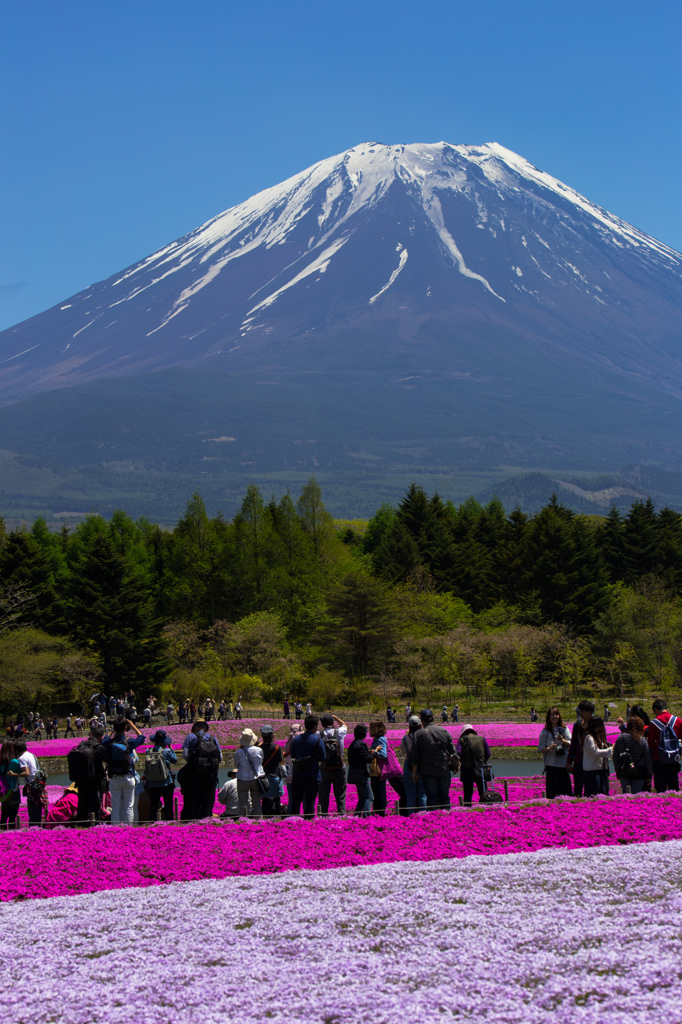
point(406, 234)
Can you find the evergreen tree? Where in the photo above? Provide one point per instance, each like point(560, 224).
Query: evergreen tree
point(397, 554)
point(415, 515)
point(669, 545)
point(377, 528)
point(111, 615)
point(360, 626)
point(565, 567)
point(198, 568)
point(611, 543)
point(640, 541)
point(25, 566)
point(512, 558)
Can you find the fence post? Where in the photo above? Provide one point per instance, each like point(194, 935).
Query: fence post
point(461, 801)
point(506, 791)
point(628, 789)
point(92, 818)
point(175, 809)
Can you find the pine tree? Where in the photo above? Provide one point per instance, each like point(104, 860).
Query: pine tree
point(611, 544)
point(361, 622)
point(640, 541)
point(111, 615)
point(25, 566)
point(669, 545)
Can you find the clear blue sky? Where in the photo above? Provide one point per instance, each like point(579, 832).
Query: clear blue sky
point(126, 123)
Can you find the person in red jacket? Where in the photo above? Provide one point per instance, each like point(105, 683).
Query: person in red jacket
point(666, 756)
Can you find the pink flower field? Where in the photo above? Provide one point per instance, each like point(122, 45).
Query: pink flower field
point(41, 863)
point(498, 734)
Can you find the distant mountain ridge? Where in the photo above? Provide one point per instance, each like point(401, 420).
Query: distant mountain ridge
point(391, 311)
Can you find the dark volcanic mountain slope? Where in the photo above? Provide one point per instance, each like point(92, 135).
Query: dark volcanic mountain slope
point(423, 260)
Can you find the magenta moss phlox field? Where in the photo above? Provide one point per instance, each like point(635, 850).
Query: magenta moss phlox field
point(39, 863)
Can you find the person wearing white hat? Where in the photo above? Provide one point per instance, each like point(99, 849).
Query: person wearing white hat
point(248, 760)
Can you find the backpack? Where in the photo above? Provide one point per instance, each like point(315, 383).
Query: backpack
point(156, 770)
point(475, 750)
point(333, 751)
point(668, 743)
point(118, 757)
point(628, 767)
point(36, 787)
point(81, 761)
point(205, 758)
point(447, 748)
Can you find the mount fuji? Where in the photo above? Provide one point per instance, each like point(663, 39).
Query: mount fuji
point(440, 302)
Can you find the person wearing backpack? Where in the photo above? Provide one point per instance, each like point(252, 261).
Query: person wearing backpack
point(474, 753)
point(199, 777)
point(86, 769)
point(308, 753)
point(158, 779)
point(121, 770)
point(333, 769)
point(663, 736)
point(632, 757)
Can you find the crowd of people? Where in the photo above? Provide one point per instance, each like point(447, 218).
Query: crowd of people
point(108, 781)
point(646, 752)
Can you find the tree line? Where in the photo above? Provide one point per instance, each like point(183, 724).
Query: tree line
point(427, 598)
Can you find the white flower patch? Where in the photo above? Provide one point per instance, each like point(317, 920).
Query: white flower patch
point(587, 936)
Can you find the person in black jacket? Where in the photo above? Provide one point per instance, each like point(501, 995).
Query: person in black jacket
point(91, 788)
point(431, 752)
point(199, 777)
point(632, 749)
point(359, 759)
point(272, 758)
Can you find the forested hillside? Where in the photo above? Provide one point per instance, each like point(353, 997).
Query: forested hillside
point(427, 600)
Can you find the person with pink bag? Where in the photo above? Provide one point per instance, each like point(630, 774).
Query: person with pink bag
point(384, 767)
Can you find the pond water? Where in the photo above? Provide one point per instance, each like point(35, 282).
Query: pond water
point(502, 769)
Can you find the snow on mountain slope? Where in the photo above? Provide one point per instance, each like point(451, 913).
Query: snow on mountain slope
point(491, 239)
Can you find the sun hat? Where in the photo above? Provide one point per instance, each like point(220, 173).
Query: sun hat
point(160, 738)
point(248, 738)
point(266, 730)
point(467, 728)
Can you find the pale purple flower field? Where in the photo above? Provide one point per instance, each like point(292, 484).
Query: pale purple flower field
point(552, 936)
